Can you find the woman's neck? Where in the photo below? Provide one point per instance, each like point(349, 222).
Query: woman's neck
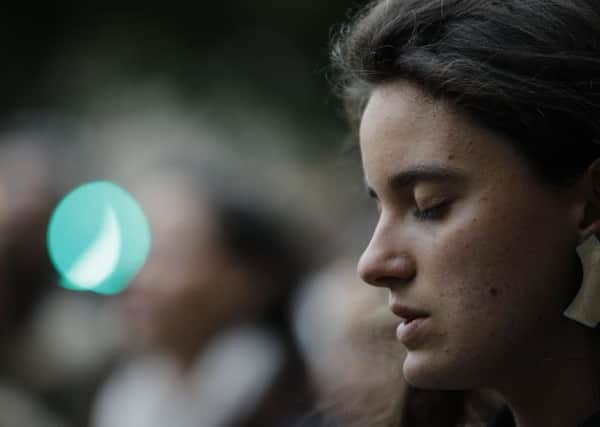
point(562, 388)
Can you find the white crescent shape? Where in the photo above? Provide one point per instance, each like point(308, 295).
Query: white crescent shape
point(100, 259)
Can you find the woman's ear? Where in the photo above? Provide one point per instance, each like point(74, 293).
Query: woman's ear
point(589, 212)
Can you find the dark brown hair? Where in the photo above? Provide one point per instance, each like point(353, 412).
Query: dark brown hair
point(527, 69)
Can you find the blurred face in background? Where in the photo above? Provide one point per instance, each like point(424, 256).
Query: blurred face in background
point(190, 286)
point(477, 252)
point(347, 335)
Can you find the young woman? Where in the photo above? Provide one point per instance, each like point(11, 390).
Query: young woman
point(479, 127)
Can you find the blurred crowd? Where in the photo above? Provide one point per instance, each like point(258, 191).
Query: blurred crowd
point(248, 311)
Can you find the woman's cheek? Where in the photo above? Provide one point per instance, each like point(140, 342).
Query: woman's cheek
point(470, 270)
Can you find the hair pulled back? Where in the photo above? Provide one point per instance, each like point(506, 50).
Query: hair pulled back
point(527, 69)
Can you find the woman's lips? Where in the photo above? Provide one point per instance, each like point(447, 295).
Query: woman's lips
point(408, 330)
point(411, 324)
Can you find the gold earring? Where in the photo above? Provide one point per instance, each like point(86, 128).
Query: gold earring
point(585, 308)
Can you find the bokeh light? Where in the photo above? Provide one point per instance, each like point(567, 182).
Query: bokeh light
point(98, 238)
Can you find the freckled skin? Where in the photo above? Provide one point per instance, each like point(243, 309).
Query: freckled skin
point(495, 272)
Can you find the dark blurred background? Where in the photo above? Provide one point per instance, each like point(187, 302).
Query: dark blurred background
point(234, 95)
point(58, 54)
point(255, 73)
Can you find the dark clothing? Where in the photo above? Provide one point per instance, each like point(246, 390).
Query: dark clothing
point(593, 421)
point(505, 419)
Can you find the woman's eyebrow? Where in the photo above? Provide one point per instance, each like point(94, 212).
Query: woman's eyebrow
point(419, 173)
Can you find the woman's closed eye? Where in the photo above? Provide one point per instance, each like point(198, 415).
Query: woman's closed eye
point(432, 211)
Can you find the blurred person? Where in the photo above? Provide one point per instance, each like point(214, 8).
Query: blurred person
point(26, 201)
point(27, 197)
point(208, 314)
point(348, 342)
point(479, 128)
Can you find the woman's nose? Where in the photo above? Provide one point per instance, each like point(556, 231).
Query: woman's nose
point(385, 262)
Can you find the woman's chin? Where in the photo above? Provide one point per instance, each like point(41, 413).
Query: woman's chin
point(423, 370)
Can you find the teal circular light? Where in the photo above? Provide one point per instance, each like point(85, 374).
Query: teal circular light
point(98, 238)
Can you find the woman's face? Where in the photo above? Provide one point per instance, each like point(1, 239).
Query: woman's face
point(470, 243)
point(190, 287)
